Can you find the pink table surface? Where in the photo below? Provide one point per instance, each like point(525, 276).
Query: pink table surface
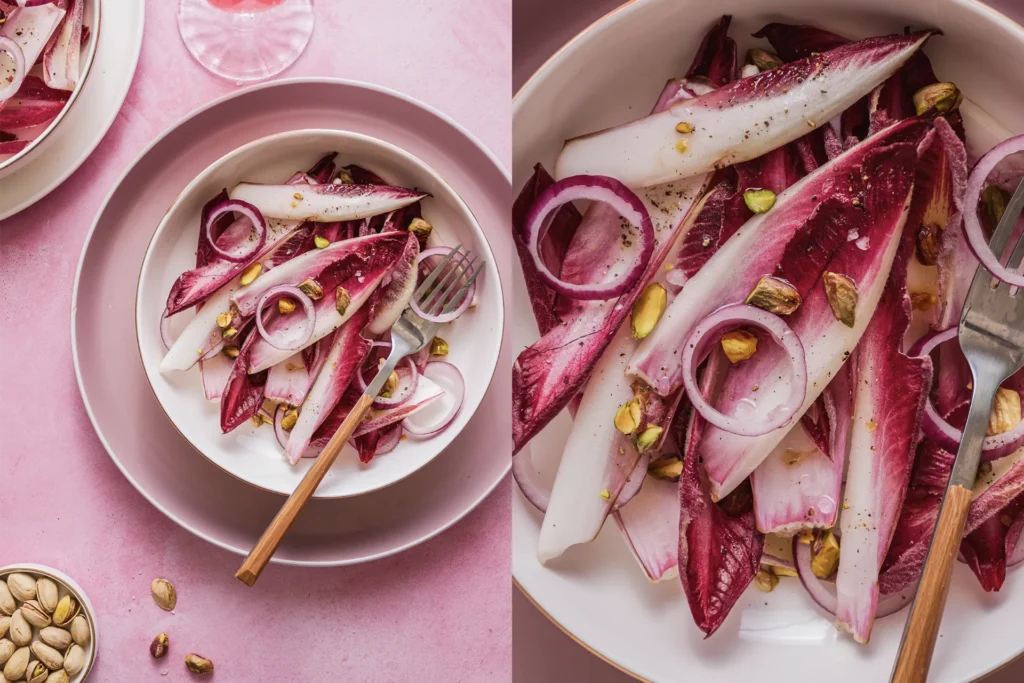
point(439, 612)
point(543, 653)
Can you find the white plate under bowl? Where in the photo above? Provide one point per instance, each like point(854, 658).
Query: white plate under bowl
point(611, 73)
point(85, 123)
point(252, 453)
point(90, 20)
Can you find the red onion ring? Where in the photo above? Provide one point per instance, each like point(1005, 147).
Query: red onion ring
point(448, 372)
point(526, 478)
point(413, 372)
point(279, 430)
point(824, 593)
point(12, 48)
point(945, 435)
point(972, 225)
point(165, 332)
point(467, 299)
point(272, 295)
point(248, 211)
point(595, 189)
point(696, 348)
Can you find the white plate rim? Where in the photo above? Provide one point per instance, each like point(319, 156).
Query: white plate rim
point(81, 263)
point(407, 157)
point(100, 131)
point(520, 502)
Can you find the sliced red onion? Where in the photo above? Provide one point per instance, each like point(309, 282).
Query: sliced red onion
point(12, 48)
point(595, 189)
point(698, 344)
point(824, 593)
point(452, 382)
point(271, 296)
point(279, 430)
point(467, 299)
point(248, 211)
point(945, 435)
point(165, 332)
point(972, 225)
point(408, 379)
point(526, 477)
point(389, 440)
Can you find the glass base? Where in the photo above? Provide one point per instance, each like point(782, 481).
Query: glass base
point(249, 42)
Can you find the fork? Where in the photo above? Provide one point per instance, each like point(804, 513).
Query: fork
point(992, 338)
point(442, 291)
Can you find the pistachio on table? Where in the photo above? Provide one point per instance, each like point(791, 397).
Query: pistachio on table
point(74, 660)
point(158, 648)
point(34, 614)
point(36, 672)
point(23, 586)
point(164, 594)
point(56, 637)
point(20, 631)
point(47, 655)
point(15, 667)
point(197, 664)
point(47, 595)
point(80, 630)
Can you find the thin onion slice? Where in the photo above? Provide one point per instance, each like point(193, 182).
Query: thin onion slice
point(972, 225)
point(412, 372)
point(248, 211)
point(467, 298)
point(279, 430)
point(165, 332)
point(698, 345)
point(11, 47)
point(271, 296)
point(453, 383)
point(526, 478)
point(945, 435)
point(595, 189)
point(824, 593)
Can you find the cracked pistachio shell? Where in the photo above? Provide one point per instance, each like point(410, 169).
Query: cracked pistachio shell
point(7, 604)
point(20, 631)
point(47, 655)
point(80, 630)
point(23, 586)
point(15, 667)
point(47, 595)
point(66, 610)
point(35, 615)
point(74, 660)
point(55, 637)
point(36, 672)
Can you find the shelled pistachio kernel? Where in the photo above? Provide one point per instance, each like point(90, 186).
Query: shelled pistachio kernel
point(250, 274)
point(285, 306)
point(164, 594)
point(158, 648)
point(321, 242)
point(422, 228)
point(66, 610)
point(438, 347)
point(224, 320)
point(197, 664)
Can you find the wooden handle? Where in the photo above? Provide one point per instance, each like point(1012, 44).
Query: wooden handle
point(915, 655)
point(261, 553)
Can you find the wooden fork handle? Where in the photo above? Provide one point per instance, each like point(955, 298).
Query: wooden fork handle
point(261, 553)
point(922, 630)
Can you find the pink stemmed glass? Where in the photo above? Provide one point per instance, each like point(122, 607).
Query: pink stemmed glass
point(245, 40)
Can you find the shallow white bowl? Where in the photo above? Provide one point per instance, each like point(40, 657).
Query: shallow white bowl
point(612, 73)
point(90, 19)
point(252, 453)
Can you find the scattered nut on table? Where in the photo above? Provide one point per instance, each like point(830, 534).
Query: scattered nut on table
point(197, 664)
point(164, 594)
point(158, 648)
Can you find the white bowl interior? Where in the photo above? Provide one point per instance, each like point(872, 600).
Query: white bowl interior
point(613, 73)
point(65, 586)
point(253, 454)
point(90, 19)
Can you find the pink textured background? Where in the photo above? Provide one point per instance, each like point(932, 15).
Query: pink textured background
point(439, 612)
point(543, 653)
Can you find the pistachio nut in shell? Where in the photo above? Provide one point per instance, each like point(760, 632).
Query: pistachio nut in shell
point(158, 648)
point(36, 672)
point(66, 610)
point(23, 586)
point(198, 664)
point(74, 660)
point(47, 655)
point(15, 667)
point(47, 595)
point(34, 614)
point(80, 630)
point(21, 630)
point(7, 604)
point(7, 649)
point(164, 594)
point(5, 626)
point(58, 677)
point(56, 637)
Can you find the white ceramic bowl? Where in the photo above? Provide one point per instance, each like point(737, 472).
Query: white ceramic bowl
point(90, 19)
point(611, 73)
point(65, 586)
point(252, 454)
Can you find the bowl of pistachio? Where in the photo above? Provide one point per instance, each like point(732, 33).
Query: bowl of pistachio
point(47, 626)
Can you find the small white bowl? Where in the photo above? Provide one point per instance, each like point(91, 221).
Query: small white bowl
point(65, 586)
point(90, 19)
point(252, 453)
